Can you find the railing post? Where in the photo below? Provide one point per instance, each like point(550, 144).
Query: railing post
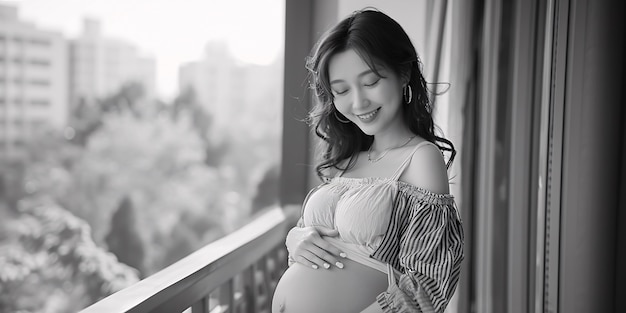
point(249, 290)
point(261, 282)
point(226, 296)
point(201, 306)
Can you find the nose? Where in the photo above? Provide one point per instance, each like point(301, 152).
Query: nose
point(360, 100)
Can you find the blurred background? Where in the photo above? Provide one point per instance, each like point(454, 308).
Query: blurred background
point(133, 133)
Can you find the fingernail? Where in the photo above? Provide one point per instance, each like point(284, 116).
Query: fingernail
point(343, 255)
point(326, 265)
point(314, 266)
point(339, 264)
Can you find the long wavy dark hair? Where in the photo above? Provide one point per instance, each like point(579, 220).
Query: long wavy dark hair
point(377, 39)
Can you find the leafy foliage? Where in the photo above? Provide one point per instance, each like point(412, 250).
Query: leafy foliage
point(124, 239)
point(153, 178)
point(45, 247)
point(267, 190)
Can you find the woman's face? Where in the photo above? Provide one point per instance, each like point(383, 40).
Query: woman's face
point(372, 102)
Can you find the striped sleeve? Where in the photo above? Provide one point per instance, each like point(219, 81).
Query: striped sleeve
point(430, 255)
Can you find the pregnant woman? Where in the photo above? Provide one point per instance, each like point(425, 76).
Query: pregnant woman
point(381, 233)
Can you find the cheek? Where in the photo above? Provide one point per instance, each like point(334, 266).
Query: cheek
point(388, 96)
point(343, 107)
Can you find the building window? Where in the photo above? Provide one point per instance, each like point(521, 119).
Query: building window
point(38, 123)
point(40, 102)
point(40, 42)
point(40, 82)
point(39, 62)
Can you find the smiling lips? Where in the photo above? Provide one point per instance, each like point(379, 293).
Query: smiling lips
point(368, 116)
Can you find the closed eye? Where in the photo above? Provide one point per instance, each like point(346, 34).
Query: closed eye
point(372, 83)
point(340, 92)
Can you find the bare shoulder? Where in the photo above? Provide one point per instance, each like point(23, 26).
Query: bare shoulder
point(427, 170)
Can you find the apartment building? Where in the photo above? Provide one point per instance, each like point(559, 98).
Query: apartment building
point(43, 74)
point(237, 95)
point(100, 65)
point(33, 81)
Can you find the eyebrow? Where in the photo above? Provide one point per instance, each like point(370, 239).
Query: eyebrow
point(366, 72)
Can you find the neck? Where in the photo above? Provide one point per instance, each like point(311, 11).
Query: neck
point(391, 140)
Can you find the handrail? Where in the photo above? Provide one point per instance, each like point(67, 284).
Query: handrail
point(236, 273)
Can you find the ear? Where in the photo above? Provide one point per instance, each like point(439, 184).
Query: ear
point(405, 77)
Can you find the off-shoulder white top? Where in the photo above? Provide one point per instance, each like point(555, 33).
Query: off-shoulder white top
point(415, 232)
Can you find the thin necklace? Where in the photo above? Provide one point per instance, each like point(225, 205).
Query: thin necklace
point(369, 151)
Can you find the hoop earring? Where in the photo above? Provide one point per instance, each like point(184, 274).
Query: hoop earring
point(339, 119)
point(408, 94)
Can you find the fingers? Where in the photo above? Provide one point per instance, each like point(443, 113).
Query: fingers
point(325, 231)
point(324, 258)
point(314, 260)
point(325, 245)
point(330, 249)
point(308, 247)
point(304, 261)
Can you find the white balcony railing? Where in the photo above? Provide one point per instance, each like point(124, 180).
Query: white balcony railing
point(237, 273)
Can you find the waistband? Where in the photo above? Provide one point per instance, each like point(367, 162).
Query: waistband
point(361, 254)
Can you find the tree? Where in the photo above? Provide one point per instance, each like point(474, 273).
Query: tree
point(49, 263)
point(126, 99)
point(181, 242)
point(124, 239)
point(267, 190)
point(11, 181)
point(186, 105)
point(87, 118)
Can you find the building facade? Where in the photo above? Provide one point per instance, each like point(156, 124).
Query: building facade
point(33, 81)
point(43, 75)
point(100, 66)
point(237, 95)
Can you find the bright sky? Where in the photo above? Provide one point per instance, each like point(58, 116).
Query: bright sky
point(171, 31)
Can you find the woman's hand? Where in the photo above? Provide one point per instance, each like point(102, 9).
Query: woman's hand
point(306, 246)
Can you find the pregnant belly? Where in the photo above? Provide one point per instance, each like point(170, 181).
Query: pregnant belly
point(302, 289)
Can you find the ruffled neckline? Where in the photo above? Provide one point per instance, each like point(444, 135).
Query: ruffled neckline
point(404, 188)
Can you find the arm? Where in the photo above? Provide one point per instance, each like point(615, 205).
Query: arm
point(307, 246)
point(431, 246)
point(430, 255)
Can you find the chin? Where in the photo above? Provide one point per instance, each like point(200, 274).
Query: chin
point(370, 131)
point(367, 131)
